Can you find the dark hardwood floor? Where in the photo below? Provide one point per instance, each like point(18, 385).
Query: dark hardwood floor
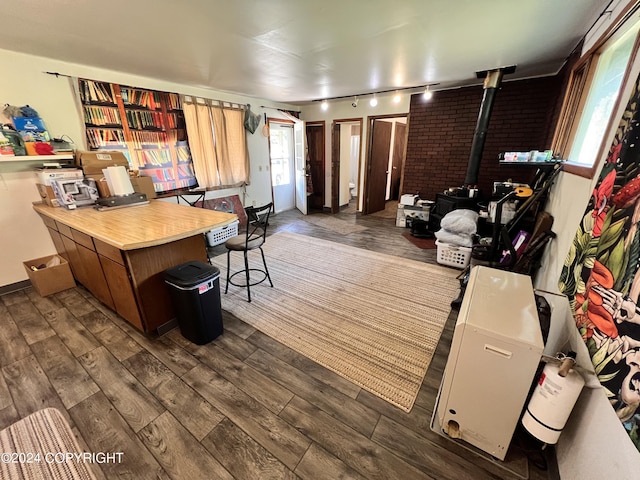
point(242, 407)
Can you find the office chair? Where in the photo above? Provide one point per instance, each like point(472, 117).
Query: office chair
point(253, 237)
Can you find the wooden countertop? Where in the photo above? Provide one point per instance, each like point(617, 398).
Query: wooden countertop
point(139, 226)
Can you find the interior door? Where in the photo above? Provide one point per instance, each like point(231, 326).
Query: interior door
point(398, 153)
point(315, 143)
point(300, 151)
point(378, 166)
point(281, 148)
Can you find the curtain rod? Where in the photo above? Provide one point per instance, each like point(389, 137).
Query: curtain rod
point(279, 109)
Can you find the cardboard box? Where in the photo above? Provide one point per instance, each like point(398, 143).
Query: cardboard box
point(51, 279)
point(101, 183)
point(48, 195)
point(140, 185)
point(144, 185)
point(92, 163)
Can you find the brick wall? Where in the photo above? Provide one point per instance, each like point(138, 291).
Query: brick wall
point(441, 132)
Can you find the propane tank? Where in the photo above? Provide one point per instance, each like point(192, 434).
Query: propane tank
point(552, 400)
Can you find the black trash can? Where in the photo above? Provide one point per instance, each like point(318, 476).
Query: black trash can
point(195, 292)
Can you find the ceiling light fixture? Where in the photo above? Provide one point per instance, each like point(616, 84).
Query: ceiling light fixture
point(374, 101)
point(397, 98)
point(428, 94)
point(324, 105)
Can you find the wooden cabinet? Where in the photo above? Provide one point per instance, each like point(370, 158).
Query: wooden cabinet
point(122, 263)
point(78, 249)
point(119, 281)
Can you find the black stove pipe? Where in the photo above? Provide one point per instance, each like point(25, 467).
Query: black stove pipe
point(491, 85)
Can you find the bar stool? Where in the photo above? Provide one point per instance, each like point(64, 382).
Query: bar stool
point(254, 237)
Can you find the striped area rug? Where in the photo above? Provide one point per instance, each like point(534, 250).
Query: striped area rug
point(372, 318)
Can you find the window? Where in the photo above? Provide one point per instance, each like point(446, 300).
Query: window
point(592, 96)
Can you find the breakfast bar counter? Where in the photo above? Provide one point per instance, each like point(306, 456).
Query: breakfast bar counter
point(120, 255)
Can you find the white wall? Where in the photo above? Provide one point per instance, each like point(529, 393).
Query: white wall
point(23, 81)
point(342, 110)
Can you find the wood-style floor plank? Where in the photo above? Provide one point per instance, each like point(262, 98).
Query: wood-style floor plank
point(5, 394)
point(119, 343)
point(271, 394)
point(105, 430)
point(43, 304)
point(134, 402)
point(74, 335)
point(13, 346)
point(338, 405)
point(360, 453)
point(95, 321)
point(72, 383)
point(187, 406)
point(170, 443)
point(243, 456)
point(174, 357)
point(76, 303)
point(318, 464)
point(8, 416)
point(30, 388)
point(280, 438)
point(31, 323)
point(304, 364)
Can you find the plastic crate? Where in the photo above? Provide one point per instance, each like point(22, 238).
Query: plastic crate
point(453, 255)
point(222, 234)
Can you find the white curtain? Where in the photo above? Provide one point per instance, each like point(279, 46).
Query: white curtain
point(218, 143)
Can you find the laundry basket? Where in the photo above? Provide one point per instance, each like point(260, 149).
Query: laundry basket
point(222, 234)
point(453, 255)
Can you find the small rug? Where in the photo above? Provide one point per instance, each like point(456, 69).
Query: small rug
point(372, 318)
point(334, 224)
point(424, 243)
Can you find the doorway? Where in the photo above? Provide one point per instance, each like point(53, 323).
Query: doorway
point(387, 147)
point(315, 144)
point(281, 153)
point(346, 151)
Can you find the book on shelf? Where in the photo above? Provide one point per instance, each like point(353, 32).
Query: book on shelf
point(95, 115)
point(96, 91)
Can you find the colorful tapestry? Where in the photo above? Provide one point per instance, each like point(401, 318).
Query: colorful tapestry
point(601, 274)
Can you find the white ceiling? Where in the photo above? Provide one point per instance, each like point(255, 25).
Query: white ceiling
point(295, 51)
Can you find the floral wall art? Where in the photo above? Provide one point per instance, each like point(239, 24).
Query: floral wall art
point(601, 275)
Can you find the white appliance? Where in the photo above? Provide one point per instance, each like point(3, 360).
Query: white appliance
point(495, 351)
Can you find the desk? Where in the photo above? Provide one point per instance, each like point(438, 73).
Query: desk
point(120, 255)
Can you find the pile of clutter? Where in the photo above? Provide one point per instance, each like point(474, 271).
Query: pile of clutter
point(458, 228)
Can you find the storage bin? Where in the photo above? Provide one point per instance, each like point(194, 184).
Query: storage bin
point(49, 279)
point(222, 234)
point(453, 255)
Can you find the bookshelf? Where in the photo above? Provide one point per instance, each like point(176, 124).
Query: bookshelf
point(148, 126)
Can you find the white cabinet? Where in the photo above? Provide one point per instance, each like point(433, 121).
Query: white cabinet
point(496, 348)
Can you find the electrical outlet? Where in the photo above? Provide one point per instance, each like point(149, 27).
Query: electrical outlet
point(254, 203)
point(260, 168)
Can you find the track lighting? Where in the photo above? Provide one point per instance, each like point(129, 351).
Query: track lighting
point(428, 94)
point(374, 101)
point(397, 98)
point(324, 105)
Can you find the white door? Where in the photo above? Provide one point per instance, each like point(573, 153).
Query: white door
point(301, 165)
point(282, 166)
